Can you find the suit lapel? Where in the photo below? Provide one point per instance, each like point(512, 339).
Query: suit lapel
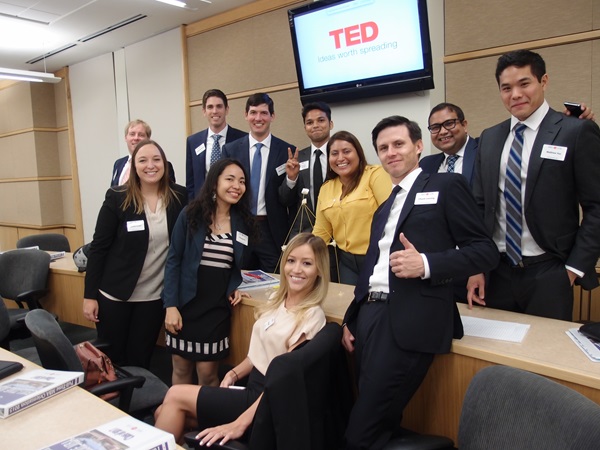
point(305, 155)
point(491, 170)
point(272, 161)
point(417, 186)
point(469, 160)
point(546, 134)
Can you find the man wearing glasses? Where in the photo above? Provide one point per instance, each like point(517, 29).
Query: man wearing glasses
point(448, 129)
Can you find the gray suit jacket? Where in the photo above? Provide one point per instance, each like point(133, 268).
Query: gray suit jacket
point(555, 189)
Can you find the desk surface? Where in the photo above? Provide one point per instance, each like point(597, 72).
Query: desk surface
point(56, 418)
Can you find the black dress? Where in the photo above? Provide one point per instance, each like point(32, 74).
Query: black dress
point(207, 318)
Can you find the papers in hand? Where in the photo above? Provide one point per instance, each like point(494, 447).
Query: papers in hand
point(123, 433)
point(494, 329)
point(590, 347)
point(254, 279)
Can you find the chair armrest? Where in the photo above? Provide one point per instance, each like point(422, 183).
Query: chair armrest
point(117, 385)
point(32, 298)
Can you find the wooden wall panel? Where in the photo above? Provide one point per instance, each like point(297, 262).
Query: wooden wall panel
point(18, 116)
point(20, 203)
point(8, 238)
point(595, 100)
point(63, 153)
point(46, 149)
point(474, 24)
point(43, 105)
point(472, 85)
point(18, 156)
point(234, 58)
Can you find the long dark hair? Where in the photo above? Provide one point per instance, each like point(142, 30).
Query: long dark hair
point(202, 208)
point(348, 137)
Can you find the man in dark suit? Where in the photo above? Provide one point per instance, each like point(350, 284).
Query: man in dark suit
point(448, 128)
point(135, 132)
point(264, 156)
point(204, 148)
point(403, 313)
point(307, 168)
point(534, 172)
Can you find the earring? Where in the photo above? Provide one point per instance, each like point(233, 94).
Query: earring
point(214, 196)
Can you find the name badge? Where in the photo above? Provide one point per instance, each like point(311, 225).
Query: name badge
point(304, 165)
point(200, 149)
point(241, 238)
point(135, 225)
point(555, 152)
point(426, 198)
point(281, 169)
point(269, 323)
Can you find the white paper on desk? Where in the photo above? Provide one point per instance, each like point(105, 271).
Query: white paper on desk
point(494, 329)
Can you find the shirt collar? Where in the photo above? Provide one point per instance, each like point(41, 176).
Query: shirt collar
point(534, 120)
point(266, 141)
point(221, 133)
point(407, 183)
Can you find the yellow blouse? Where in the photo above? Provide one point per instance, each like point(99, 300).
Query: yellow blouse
point(348, 221)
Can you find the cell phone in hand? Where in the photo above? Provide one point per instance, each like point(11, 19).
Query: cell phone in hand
point(574, 108)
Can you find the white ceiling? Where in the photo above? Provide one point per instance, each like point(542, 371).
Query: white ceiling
point(30, 29)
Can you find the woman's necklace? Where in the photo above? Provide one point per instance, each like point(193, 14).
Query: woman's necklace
point(217, 225)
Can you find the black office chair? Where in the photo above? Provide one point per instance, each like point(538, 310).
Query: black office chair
point(24, 276)
point(56, 352)
point(304, 403)
point(48, 241)
point(506, 408)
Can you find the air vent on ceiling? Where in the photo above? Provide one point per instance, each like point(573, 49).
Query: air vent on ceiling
point(51, 53)
point(112, 27)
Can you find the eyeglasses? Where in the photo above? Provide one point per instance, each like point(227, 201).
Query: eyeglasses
point(448, 125)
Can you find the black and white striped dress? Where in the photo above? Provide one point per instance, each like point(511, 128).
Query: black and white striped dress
point(207, 318)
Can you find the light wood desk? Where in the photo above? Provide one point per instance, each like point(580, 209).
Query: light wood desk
point(56, 418)
point(436, 407)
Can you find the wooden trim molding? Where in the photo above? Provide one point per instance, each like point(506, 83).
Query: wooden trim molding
point(33, 130)
point(245, 94)
point(32, 179)
point(540, 43)
point(37, 227)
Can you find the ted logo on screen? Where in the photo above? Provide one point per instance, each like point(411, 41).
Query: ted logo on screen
point(355, 34)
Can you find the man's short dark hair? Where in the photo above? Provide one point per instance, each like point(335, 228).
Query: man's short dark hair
point(214, 93)
point(521, 58)
point(321, 106)
point(414, 131)
point(460, 115)
point(258, 99)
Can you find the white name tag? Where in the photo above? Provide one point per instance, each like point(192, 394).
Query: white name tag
point(426, 198)
point(135, 225)
point(269, 323)
point(554, 152)
point(281, 169)
point(200, 149)
point(304, 165)
point(241, 238)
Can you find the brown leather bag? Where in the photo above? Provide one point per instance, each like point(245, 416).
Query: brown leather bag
point(97, 366)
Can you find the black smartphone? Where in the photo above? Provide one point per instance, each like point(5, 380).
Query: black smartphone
point(574, 108)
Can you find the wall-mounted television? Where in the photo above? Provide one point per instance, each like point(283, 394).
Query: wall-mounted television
point(351, 49)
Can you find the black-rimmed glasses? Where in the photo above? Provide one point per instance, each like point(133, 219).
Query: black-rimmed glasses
point(448, 125)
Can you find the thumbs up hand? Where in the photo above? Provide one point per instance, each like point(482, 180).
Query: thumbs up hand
point(407, 263)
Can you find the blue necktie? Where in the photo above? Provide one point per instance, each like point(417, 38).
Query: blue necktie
point(450, 163)
point(512, 197)
point(216, 149)
point(255, 176)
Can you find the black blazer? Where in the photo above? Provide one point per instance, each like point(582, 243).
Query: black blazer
point(277, 212)
point(554, 191)
point(423, 313)
point(116, 256)
point(195, 163)
point(432, 163)
point(118, 168)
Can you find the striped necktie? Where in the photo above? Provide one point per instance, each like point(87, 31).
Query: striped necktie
point(512, 196)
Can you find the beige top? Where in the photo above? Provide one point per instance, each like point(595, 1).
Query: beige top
point(275, 332)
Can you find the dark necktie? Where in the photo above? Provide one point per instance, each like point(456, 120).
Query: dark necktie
point(216, 150)
point(450, 163)
point(255, 176)
point(512, 197)
point(317, 176)
point(385, 211)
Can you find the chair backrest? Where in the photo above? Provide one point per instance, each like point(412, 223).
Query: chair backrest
point(54, 348)
point(506, 407)
point(47, 241)
point(302, 406)
point(22, 271)
point(4, 321)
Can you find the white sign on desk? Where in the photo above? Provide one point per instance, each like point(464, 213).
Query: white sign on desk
point(494, 329)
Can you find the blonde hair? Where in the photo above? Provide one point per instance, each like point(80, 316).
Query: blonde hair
point(133, 192)
point(136, 122)
point(319, 290)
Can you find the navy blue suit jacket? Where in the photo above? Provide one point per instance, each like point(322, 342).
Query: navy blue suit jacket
point(432, 163)
point(277, 213)
point(118, 168)
point(195, 163)
point(423, 313)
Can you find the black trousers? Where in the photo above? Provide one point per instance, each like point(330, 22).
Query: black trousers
point(542, 289)
point(387, 375)
point(130, 328)
point(263, 254)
